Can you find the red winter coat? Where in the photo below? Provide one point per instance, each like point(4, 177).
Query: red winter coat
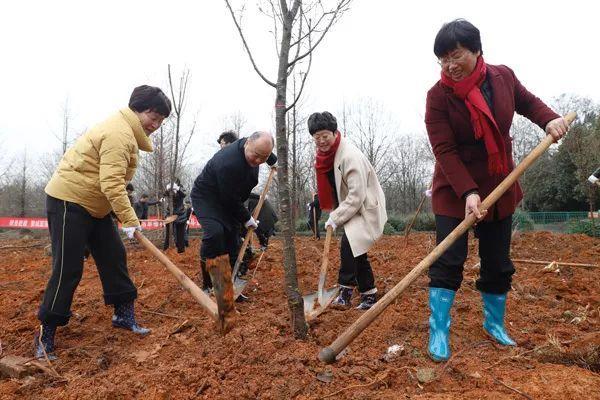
point(461, 161)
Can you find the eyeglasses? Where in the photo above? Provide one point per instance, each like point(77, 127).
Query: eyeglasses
point(452, 58)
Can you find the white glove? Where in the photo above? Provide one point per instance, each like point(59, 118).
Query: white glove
point(130, 230)
point(592, 179)
point(428, 192)
point(162, 200)
point(330, 223)
point(251, 223)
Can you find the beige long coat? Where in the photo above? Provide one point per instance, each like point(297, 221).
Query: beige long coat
point(361, 209)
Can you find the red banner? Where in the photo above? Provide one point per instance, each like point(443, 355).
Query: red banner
point(42, 223)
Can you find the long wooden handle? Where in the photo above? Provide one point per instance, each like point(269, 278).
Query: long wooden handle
point(324, 265)
point(205, 301)
point(261, 200)
point(328, 354)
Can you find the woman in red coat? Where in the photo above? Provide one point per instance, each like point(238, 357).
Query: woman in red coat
point(468, 116)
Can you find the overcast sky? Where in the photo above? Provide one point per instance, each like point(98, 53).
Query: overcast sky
point(94, 53)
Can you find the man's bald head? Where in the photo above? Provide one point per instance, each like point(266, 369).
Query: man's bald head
point(258, 148)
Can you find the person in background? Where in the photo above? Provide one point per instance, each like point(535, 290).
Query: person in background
point(178, 195)
point(313, 210)
point(226, 138)
point(130, 190)
point(141, 206)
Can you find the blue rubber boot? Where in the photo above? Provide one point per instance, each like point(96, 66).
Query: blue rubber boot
point(124, 318)
point(44, 343)
point(440, 303)
point(494, 306)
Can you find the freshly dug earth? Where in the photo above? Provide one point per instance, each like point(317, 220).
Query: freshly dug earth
point(554, 317)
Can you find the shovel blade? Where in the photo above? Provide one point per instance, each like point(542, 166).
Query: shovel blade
point(238, 287)
point(312, 308)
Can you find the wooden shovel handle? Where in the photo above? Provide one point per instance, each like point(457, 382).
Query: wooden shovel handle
point(324, 265)
point(205, 301)
point(328, 354)
point(261, 200)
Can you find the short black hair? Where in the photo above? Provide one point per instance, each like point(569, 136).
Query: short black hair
point(454, 33)
point(321, 121)
point(229, 136)
point(144, 196)
point(129, 186)
point(150, 98)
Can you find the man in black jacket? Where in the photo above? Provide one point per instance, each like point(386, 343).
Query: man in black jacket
point(218, 198)
point(141, 207)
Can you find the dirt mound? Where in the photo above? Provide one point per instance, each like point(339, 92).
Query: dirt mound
point(554, 316)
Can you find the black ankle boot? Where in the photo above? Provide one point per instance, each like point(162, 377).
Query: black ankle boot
point(124, 318)
point(47, 342)
point(367, 301)
point(344, 298)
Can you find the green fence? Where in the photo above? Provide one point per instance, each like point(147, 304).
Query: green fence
point(543, 218)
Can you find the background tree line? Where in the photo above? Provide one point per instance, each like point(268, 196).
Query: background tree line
point(403, 160)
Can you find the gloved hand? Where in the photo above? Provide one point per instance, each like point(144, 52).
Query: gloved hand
point(162, 200)
point(330, 223)
point(251, 223)
point(174, 187)
point(272, 160)
point(428, 192)
point(130, 230)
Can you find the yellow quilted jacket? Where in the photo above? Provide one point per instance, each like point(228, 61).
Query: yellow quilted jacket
point(93, 172)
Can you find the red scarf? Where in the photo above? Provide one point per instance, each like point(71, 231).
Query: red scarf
point(482, 119)
point(324, 164)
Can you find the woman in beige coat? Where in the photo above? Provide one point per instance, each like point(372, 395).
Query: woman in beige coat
point(348, 187)
point(87, 185)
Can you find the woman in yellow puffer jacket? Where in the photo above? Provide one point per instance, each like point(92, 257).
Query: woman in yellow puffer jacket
point(87, 185)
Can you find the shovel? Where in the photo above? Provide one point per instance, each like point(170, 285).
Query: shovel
point(316, 303)
point(205, 301)
point(240, 284)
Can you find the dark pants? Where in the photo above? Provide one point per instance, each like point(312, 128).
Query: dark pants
point(178, 233)
point(71, 229)
point(218, 240)
point(496, 269)
point(355, 271)
point(314, 227)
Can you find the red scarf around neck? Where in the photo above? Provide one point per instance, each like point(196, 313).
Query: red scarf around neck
point(482, 119)
point(324, 164)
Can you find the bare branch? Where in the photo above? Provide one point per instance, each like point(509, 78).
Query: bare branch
point(237, 25)
point(341, 7)
point(301, 85)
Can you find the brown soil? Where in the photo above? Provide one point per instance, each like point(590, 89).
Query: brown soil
point(553, 316)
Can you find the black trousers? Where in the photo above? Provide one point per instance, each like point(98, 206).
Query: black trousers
point(314, 227)
point(355, 271)
point(496, 269)
point(178, 233)
point(71, 229)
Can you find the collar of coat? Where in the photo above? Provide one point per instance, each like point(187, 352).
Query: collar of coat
point(143, 141)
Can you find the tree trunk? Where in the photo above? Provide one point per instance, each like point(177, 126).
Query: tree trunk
point(295, 301)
